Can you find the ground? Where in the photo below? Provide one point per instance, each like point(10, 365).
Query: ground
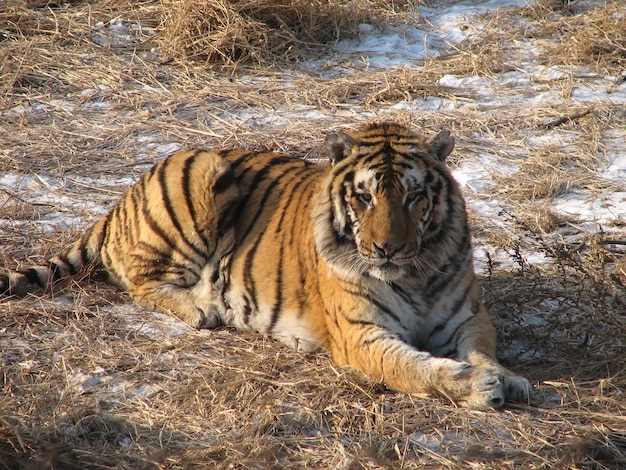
point(93, 93)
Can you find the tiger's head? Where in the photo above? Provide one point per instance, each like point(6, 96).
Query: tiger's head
point(386, 195)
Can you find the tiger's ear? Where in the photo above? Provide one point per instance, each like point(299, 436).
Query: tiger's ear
point(338, 146)
point(441, 145)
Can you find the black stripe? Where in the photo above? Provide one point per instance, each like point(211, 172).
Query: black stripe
point(290, 166)
point(174, 277)
point(341, 236)
point(228, 213)
point(159, 232)
point(215, 276)
point(379, 305)
point(290, 200)
point(106, 261)
point(224, 182)
point(57, 274)
point(70, 267)
point(358, 321)
point(249, 281)
point(452, 347)
point(114, 234)
point(381, 336)
point(145, 213)
point(33, 277)
point(248, 278)
point(390, 347)
point(373, 156)
point(247, 311)
point(82, 251)
point(453, 312)
point(122, 215)
point(408, 299)
point(276, 310)
point(261, 176)
point(186, 186)
point(158, 255)
point(137, 198)
point(287, 197)
point(172, 213)
point(165, 260)
point(450, 269)
point(234, 164)
point(442, 230)
point(302, 206)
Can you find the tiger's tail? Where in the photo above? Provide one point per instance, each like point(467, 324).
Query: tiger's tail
point(84, 252)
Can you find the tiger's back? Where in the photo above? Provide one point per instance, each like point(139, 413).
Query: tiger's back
point(369, 257)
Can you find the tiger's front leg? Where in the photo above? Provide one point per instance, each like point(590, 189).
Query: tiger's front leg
point(383, 356)
point(476, 345)
point(357, 338)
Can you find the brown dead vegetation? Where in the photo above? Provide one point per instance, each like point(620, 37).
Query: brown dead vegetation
point(577, 33)
point(264, 32)
point(89, 380)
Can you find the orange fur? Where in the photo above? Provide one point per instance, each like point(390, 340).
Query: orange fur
point(369, 257)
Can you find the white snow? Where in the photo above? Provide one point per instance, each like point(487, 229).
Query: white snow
point(444, 27)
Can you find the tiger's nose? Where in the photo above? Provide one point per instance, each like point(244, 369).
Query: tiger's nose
point(386, 250)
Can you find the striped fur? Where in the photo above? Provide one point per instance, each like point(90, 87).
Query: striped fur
point(369, 257)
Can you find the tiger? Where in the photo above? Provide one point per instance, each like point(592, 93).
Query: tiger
point(369, 257)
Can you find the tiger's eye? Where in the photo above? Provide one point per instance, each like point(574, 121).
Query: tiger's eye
point(364, 198)
point(412, 197)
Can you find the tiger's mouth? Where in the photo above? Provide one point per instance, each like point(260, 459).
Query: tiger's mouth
point(388, 271)
point(406, 257)
point(387, 264)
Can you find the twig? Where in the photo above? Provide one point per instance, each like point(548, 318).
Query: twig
point(614, 242)
point(564, 119)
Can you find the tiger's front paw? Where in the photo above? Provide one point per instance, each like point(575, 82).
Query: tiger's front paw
point(485, 389)
point(516, 389)
point(492, 388)
point(475, 387)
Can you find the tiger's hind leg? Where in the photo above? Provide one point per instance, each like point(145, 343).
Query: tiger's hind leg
point(179, 302)
point(170, 240)
point(182, 302)
point(199, 304)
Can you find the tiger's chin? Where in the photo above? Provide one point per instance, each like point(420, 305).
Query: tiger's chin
point(387, 272)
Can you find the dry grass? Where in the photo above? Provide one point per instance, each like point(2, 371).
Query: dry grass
point(575, 33)
point(91, 381)
point(596, 36)
point(264, 32)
